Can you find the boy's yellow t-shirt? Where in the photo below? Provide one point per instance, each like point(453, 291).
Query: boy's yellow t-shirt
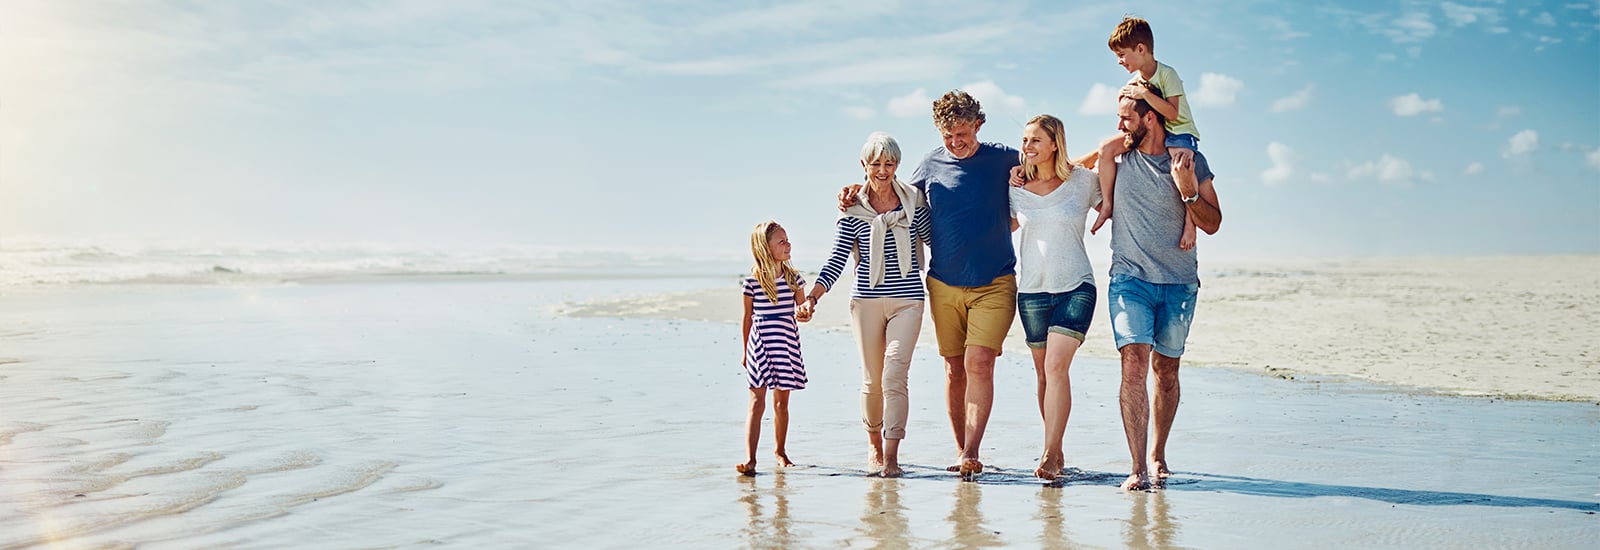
point(1167, 79)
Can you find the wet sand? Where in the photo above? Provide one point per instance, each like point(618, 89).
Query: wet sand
point(472, 414)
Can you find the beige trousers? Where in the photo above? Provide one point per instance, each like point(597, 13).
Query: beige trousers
point(886, 329)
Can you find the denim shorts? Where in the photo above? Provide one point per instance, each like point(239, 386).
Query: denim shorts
point(1149, 313)
point(1183, 141)
point(1066, 313)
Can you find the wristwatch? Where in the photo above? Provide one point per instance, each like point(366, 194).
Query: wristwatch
point(1192, 200)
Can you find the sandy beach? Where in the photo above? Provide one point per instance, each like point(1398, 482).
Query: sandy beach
point(476, 413)
point(1513, 327)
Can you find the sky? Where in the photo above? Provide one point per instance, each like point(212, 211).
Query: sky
point(1362, 129)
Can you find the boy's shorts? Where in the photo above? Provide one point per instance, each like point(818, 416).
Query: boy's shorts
point(972, 315)
point(1066, 313)
point(1149, 313)
point(1183, 141)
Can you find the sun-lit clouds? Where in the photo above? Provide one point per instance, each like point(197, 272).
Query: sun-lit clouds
point(994, 99)
point(1413, 104)
point(916, 103)
point(1279, 28)
point(1295, 101)
point(1410, 27)
point(1216, 90)
point(1283, 160)
point(877, 71)
point(793, 17)
point(1389, 170)
point(1593, 159)
point(1474, 168)
point(1101, 100)
point(1461, 16)
point(1545, 19)
point(1522, 143)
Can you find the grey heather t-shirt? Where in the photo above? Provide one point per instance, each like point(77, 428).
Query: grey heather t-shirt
point(1147, 220)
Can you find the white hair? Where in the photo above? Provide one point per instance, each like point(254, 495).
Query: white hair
point(880, 145)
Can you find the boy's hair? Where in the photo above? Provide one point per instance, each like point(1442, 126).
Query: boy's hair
point(956, 106)
point(1140, 106)
point(1058, 135)
point(880, 145)
point(1131, 32)
point(767, 269)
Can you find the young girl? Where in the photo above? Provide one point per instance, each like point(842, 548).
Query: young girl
point(771, 338)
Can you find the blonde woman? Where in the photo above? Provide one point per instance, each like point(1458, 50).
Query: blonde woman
point(885, 231)
point(1055, 283)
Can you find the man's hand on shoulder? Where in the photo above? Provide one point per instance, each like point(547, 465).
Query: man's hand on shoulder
point(1016, 176)
point(847, 196)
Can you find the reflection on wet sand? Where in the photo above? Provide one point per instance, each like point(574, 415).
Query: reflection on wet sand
point(1149, 524)
point(1052, 522)
point(766, 531)
point(883, 519)
point(967, 521)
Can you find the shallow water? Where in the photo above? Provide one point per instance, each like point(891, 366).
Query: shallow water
point(466, 413)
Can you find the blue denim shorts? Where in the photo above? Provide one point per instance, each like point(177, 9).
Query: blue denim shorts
point(1066, 313)
point(1184, 141)
point(1149, 313)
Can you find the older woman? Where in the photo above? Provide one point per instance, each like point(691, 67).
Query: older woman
point(885, 231)
point(1055, 283)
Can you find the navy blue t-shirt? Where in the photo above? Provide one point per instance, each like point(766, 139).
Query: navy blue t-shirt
point(970, 203)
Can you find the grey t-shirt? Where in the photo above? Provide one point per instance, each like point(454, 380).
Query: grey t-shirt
point(1147, 220)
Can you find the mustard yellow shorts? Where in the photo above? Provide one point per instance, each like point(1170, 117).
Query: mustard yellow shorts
point(972, 315)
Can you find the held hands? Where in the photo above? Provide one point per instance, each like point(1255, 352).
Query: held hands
point(804, 312)
point(1016, 176)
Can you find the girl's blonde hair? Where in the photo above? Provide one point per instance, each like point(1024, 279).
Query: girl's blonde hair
point(767, 270)
point(1058, 134)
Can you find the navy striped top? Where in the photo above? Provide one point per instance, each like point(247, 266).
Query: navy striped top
point(760, 306)
point(853, 232)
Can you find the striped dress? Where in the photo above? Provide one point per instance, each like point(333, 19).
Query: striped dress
point(772, 352)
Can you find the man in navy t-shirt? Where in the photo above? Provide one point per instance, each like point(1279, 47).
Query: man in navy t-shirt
point(972, 283)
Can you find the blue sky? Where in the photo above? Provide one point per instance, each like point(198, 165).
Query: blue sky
point(1381, 128)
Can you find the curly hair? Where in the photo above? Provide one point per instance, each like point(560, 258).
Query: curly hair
point(1131, 32)
point(956, 106)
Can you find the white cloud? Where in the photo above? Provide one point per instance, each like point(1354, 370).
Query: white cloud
point(1320, 177)
point(916, 103)
point(1387, 57)
point(1389, 170)
point(1411, 27)
point(992, 98)
point(1280, 29)
point(1593, 159)
point(862, 113)
point(1507, 112)
point(1294, 102)
point(1413, 104)
point(886, 70)
point(1216, 90)
point(1102, 100)
point(1462, 16)
point(1524, 142)
point(1545, 19)
point(1283, 159)
point(1474, 168)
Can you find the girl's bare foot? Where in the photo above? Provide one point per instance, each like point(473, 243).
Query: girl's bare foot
point(1136, 482)
point(970, 468)
point(748, 468)
point(783, 461)
point(892, 470)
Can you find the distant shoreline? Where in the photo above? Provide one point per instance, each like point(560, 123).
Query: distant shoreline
point(1501, 327)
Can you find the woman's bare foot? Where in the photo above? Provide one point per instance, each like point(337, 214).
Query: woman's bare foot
point(875, 458)
point(1136, 482)
point(970, 468)
point(892, 470)
point(783, 461)
point(1049, 467)
point(748, 468)
point(1160, 468)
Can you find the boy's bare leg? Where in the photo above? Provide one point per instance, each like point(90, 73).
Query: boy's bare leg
point(1187, 241)
point(780, 426)
point(1107, 171)
point(752, 427)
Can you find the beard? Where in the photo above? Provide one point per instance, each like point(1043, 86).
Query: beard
point(1135, 138)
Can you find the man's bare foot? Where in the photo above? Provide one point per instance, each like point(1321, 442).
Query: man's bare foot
point(1160, 468)
point(1049, 467)
point(1136, 482)
point(783, 461)
point(892, 470)
point(748, 468)
point(970, 468)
